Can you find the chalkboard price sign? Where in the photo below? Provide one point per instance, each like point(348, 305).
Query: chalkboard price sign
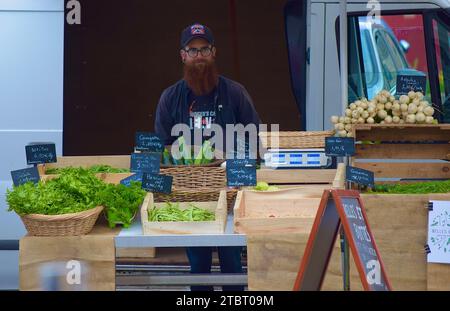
point(25, 175)
point(40, 153)
point(360, 176)
point(241, 162)
point(145, 141)
point(157, 183)
point(148, 162)
point(407, 83)
point(341, 208)
point(339, 146)
point(239, 176)
point(135, 177)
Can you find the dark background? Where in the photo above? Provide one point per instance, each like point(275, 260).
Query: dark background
point(125, 53)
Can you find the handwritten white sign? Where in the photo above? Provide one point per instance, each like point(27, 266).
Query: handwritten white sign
point(439, 232)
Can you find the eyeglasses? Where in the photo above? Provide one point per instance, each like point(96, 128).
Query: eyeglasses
point(205, 51)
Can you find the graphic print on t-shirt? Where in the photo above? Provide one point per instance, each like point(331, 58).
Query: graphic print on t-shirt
point(201, 112)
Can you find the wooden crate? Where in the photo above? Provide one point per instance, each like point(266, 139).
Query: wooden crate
point(116, 161)
point(286, 210)
point(188, 227)
point(96, 251)
point(409, 145)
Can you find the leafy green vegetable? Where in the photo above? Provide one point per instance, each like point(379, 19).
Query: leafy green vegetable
point(263, 186)
point(172, 212)
point(204, 156)
point(73, 191)
point(107, 169)
point(121, 202)
point(166, 158)
point(93, 169)
point(414, 188)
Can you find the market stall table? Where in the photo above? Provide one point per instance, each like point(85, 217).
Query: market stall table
point(133, 237)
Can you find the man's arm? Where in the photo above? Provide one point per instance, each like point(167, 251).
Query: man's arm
point(247, 112)
point(163, 120)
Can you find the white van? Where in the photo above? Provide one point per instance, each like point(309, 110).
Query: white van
point(373, 60)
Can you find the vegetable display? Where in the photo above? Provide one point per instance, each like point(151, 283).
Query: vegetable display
point(385, 109)
point(76, 190)
point(414, 188)
point(173, 212)
point(204, 156)
point(93, 169)
point(121, 202)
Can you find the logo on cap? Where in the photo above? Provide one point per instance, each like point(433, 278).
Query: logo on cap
point(197, 29)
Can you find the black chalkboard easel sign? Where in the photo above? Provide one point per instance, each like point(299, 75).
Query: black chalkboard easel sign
point(339, 146)
point(241, 162)
point(147, 162)
point(157, 183)
point(25, 175)
point(407, 83)
point(241, 172)
point(341, 208)
point(359, 176)
point(135, 177)
point(146, 141)
point(38, 153)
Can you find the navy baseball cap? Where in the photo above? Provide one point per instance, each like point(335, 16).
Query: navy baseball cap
point(196, 31)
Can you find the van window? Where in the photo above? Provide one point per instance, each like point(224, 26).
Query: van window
point(387, 58)
point(392, 43)
point(370, 65)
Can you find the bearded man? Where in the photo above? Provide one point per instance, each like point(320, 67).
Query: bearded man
point(200, 99)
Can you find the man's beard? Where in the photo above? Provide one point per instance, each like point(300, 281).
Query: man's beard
point(201, 77)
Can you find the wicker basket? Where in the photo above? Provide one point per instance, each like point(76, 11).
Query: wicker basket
point(214, 163)
point(293, 140)
point(197, 184)
point(61, 225)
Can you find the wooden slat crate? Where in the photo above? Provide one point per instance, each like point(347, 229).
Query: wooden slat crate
point(286, 210)
point(216, 226)
point(414, 149)
point(116, 161)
